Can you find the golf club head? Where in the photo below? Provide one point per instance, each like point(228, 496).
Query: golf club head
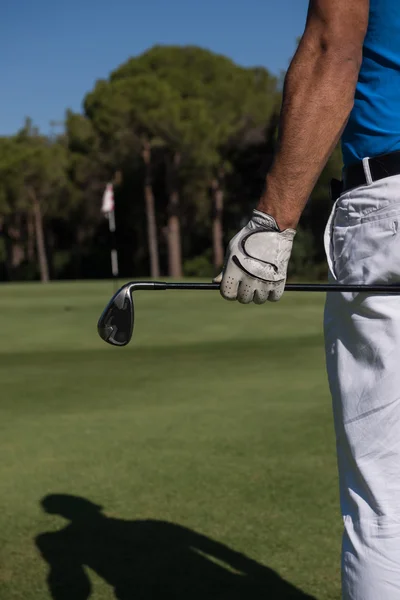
point(115, 325)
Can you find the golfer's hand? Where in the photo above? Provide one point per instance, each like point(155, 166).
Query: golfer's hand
point(256, 261)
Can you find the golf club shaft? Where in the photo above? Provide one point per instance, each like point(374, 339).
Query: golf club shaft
point(290, 287)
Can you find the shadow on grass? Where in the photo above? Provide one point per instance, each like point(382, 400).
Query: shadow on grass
point(148, 560)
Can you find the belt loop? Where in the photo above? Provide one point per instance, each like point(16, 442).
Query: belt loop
point(367, 170)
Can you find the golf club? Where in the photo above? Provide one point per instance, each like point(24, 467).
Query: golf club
point(115, 325)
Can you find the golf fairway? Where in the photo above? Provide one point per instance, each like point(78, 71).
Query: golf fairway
point(208, 442)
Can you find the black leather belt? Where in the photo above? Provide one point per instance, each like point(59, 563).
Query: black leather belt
point(385, 165)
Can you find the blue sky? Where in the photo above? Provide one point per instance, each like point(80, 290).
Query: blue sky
point(51, 53)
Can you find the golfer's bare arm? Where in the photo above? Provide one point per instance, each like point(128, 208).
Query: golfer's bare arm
point(317, 100)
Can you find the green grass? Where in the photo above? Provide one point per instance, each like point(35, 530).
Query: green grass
point(208, 441)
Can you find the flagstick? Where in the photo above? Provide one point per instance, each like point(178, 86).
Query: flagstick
point(114, 253)
point(107, 209)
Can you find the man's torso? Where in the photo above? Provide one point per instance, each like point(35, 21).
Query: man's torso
point(374, 124)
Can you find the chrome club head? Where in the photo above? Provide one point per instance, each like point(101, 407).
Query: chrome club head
point(115, 325)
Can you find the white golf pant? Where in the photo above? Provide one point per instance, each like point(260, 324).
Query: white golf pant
point(362, 338)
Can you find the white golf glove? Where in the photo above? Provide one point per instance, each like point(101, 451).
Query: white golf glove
point(256, 261)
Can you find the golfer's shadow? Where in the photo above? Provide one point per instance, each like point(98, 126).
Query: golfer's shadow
point(148, 560)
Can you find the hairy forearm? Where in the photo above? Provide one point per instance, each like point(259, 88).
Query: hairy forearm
point(317, 100)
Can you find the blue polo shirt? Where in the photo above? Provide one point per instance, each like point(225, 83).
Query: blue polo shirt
point(374, 124)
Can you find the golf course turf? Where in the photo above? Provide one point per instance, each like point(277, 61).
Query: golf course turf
point(207, 442)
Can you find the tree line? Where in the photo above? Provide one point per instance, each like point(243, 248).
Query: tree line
point(186, 137)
